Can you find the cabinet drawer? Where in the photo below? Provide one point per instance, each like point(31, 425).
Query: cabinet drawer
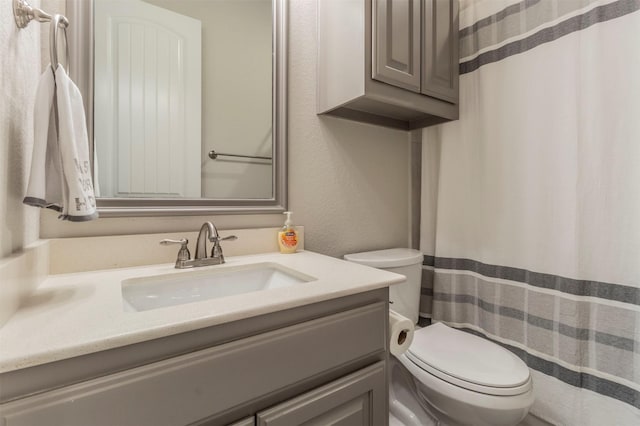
point(194, 386)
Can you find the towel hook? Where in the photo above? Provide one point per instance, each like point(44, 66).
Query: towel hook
point(56, 22)
point(24, 13)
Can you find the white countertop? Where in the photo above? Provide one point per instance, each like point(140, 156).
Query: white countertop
point(80, 313)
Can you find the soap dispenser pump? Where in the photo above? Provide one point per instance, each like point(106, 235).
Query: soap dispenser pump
point(288, 236)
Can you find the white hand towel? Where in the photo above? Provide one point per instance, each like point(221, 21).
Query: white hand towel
point(73, 142)
point(45, 181)
point(60, 170)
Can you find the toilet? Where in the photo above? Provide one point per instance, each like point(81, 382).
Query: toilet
point(447, 376)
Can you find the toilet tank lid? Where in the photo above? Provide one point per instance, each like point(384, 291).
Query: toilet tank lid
point(388, 258)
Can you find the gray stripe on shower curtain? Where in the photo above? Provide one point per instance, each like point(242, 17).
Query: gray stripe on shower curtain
point(567, 330)
point(426, 292)
point(508, 23)
point(579, 379)
point(512, 26)
point(480, 25)
point(549, 323)
point(609, 291)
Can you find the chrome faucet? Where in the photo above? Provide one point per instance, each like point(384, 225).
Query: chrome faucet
point(208, 231)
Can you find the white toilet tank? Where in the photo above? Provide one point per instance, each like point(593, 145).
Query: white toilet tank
point(404, 297)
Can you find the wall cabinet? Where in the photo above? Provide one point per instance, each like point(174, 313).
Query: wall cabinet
point(319, 364)
point(389, 62)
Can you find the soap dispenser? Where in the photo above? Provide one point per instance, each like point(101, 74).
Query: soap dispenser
point(288, 236)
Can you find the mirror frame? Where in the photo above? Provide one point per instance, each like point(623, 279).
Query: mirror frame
point(80, 42)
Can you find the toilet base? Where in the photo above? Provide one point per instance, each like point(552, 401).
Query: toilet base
point(405, 408)
point(474, 415)
point(415, 404)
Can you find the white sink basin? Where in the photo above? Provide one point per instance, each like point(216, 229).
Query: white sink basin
point(153, 292)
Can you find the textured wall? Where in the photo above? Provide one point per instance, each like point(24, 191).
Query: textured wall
point(348, 182)
point(19, 69)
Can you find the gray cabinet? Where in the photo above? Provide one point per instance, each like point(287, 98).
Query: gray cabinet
point(355, 400)
point(440, 49)
point(397, 43)
point(389, 62)
point(249, 421)
point(316, 357)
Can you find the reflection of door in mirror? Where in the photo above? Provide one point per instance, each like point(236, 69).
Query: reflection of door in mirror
point(147, 101)
point(166, 96)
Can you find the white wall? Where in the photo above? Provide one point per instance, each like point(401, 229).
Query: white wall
point(19, 71)
point(348, 182)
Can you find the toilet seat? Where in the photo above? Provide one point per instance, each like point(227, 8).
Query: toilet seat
point(468, 361)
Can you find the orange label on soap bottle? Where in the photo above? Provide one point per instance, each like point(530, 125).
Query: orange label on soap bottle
point(289, 239)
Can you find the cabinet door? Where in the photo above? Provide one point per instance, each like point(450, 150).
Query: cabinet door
point(249, 421)
point(396, 43)
point(358, 399)
point(440, 49)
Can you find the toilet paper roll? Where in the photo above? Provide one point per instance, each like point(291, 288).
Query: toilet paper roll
point(400, 332)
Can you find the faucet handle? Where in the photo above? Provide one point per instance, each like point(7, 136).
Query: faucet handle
point(216, 240)
point(216, 250)
point(183, 253)
point(168, 241)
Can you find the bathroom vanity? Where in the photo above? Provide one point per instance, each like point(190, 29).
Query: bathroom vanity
point(312, 352)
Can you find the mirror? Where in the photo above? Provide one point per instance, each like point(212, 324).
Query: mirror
point(186, 103)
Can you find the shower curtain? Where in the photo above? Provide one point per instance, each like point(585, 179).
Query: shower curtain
point(531, 201)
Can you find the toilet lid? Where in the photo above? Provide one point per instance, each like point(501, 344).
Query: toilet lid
point(388, 258)
point(468, 361)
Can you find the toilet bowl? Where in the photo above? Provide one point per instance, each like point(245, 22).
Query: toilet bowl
point(468, 380)
point(454, 376)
